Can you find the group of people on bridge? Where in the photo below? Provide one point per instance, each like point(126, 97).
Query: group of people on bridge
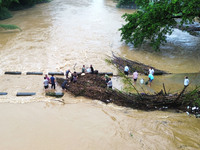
point(73, 77)
point(136, 74)
point(150, 76)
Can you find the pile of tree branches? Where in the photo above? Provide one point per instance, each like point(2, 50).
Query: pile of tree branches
point(134, 65)
point(93, 86)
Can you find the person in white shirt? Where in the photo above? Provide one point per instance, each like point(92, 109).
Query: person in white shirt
point(151, 71)
point(88, 70)
point(141, 81)
point(109, 84)
point(46, 83)
point(126, 69)
point(186, 81)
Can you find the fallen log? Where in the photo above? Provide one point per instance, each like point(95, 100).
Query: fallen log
point(108, 73)
point(133, 65)
point(99, 73)
point(94, 87)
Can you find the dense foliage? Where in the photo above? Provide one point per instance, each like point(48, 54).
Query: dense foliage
point(193, 98)
point(4, 12)
point(124, 2)
point(25, 4)
point(157, 19)
point(5, 5)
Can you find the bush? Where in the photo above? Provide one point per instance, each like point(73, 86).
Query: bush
point(22, 4)
point(121, 3)
point(4, 13)
point(25, 4)
point(42, 1)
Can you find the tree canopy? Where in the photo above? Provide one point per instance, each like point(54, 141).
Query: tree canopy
point(121, 3)
point(4, 12)
point(155, 19)
point(6, 5)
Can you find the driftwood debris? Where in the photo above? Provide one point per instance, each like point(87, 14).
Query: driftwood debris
point(94, 86)
point(133, 65)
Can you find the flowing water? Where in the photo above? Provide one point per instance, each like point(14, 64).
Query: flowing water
point(57, 35)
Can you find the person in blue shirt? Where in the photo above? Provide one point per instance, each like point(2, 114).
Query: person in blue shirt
point(65, 84)
point(67, 73)
point(53, 83)
point(151, 77)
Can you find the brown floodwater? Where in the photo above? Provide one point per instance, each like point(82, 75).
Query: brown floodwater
point(57, 35)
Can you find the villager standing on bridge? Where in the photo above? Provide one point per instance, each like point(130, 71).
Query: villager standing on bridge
point(67, 73)
point(83, 69)
point(151, 70)
point(126, 69)
point(74, 77)
point(46, 76)
point(135, 76)
point(186, 81)
point(65, 84)
point(92, 69)
point(46, 83)
point(106, 78)
point(109, 84)
point(151, 77)
point(53, 82)
point(88, 70)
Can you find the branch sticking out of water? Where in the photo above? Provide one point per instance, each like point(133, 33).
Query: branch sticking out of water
point(9, 27)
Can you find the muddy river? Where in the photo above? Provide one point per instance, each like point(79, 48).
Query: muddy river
point(57, 35)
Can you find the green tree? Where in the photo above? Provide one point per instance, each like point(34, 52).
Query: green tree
point(25, 4)
point(157, 18)
point(4, 12)
point(14, 4)
point(124, 2)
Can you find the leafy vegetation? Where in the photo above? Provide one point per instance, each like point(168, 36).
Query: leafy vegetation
point(121, 3)
point(4, 12)
point(157, 19)
point(9, 27)
point(25, 4)
point(192, 98)
point(6, 5)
